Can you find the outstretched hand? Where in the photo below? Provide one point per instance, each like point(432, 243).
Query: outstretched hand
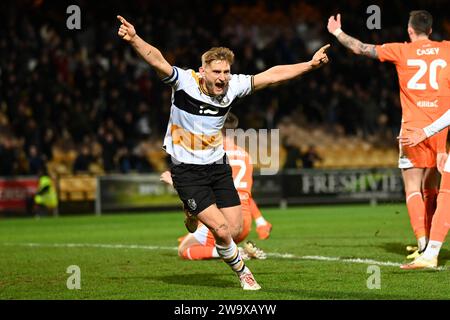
point(411, 137)
point(334, 23)
point(126, 30)
point(320, 57)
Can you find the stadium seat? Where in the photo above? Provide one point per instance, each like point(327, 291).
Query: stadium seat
point(77, 188)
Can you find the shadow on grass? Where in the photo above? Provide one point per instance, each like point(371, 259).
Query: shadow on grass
point(201, 279)
point(214, 280)
point(367, 294)
point(400, 249)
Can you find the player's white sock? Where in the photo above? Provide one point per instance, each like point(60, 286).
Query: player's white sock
point(215, 254)
point(260, 221)
point(432, 250)
point(422, 243)
point(231, 256)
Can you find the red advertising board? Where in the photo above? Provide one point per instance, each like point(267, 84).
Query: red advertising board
point(14, 191)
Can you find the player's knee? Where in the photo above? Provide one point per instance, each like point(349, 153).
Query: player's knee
point(236, 231)
point(222, 233)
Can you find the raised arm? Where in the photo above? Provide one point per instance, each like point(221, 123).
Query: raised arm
point(148, 52)
point(279, 74)
point(334, 27)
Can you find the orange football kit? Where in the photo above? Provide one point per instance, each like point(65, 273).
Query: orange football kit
point(418, 66)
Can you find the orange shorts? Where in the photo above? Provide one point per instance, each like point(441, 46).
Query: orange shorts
point(421, 156)
point(206, 238)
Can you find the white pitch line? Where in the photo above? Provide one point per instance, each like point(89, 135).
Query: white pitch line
point(270, 254)
point(91, 245)
point(348, 260)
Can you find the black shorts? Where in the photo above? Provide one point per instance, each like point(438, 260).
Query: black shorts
point(200, 186)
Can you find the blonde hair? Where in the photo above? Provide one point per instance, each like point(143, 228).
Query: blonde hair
point(218, 53)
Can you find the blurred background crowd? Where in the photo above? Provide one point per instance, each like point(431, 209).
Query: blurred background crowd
point(83, 101)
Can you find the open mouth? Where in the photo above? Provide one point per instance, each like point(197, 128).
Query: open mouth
point(220, 86)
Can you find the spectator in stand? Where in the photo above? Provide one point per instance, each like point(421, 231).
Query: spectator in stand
point(52, 79)
point(83, 160)
point(8, 156)
point(36, 163)
point(109, 147)
point(293, 154)
point(123, 160)
point(310, 157)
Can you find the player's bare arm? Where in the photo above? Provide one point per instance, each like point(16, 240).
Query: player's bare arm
point(148, 52)
point(358, 47)
point(279, 74)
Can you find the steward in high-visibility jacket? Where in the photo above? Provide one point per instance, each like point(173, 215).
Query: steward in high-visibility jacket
point(46, 194)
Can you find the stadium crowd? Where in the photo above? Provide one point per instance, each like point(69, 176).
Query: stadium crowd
point(85, 97)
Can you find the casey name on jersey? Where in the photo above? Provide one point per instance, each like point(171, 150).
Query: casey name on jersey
point(428, 51)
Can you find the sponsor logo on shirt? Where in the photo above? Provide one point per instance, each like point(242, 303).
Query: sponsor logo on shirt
point(427, 104)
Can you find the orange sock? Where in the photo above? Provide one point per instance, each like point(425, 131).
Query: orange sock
point(198, 252)
point(441, 219)
point(416, 211)
point(430, 201)
point(254, 209)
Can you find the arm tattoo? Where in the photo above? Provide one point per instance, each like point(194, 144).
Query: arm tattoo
point(149, 51)
point(357, 46)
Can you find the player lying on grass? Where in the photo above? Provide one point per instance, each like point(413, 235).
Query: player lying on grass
point(200, 103)
point(200, 243)
point(441, 221)
point(418, 63)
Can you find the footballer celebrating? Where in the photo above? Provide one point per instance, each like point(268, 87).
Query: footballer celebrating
point(200, 243)
point(200, 104)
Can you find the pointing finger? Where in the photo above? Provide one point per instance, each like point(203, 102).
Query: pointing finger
point(122, 19)
point(325, 47)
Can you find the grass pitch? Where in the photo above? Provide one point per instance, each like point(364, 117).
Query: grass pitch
point(314, 253)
